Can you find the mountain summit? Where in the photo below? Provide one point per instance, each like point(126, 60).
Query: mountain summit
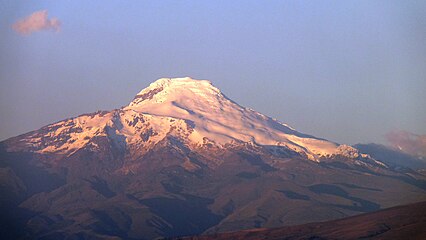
point(192, 110)
point(219, 120)
point(184, 159)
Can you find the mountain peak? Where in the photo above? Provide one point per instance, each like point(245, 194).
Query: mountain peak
point(165, 89)
point(218, 119)
point(173, 82)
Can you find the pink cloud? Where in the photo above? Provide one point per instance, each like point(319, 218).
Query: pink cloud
point(35, 22)
point(407, 142)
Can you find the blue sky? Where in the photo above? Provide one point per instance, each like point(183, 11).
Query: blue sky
point(348, 71)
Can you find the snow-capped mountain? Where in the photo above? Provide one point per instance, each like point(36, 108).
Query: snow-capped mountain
point(192, 110)
point(183, 159)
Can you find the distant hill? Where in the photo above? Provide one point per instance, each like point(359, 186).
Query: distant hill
point(402, 222)
point(391, 156)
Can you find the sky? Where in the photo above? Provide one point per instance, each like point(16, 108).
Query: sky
point(348, 71)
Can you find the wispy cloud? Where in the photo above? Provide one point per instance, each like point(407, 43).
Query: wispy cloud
point(35, 22)
point(407, 142)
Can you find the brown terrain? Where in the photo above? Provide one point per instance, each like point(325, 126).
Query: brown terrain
point(402, 222)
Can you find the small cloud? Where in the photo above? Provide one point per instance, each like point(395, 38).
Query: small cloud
point(35, 22)
point(407, 142)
